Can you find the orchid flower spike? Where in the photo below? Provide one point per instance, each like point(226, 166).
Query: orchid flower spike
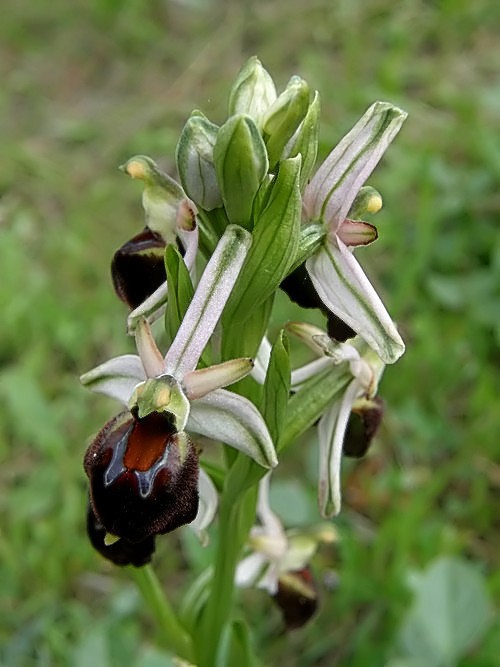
point(366, 369)
point(276, 552)
point(337, 277)
point(142, 466)
point(138, 269)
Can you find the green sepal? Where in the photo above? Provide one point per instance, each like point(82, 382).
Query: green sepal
point(310, 239)
point(305, 141)
point(180, 291)
point(311, 400)
point(241, 164)
point(284, 116)
point(275, 243)
point(277, 387)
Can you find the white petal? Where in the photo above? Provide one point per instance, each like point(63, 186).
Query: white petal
point(300, 375)
point(208, 301)
point(335, 185)
point(207, 507)
point(270, 521)
point(301, 548)
point(189, 240)
point(331, 431)
point(262, 361)
point(249, 570)
point(116, 377)
point(151, 357)
point(151, 309)
point(308, 334)
point(346, 291)
point(203, 381)
point(233, 419)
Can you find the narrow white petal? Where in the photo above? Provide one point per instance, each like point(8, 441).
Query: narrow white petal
point(151, 357)
point(234, 420)
point(208, 301)
point(308, 334)
point(270, 521)
point(189, 240)
point(151, 309)
point(300, 375)
point(346, 291)
point(331, 431)
point(116, 377)
point(338, 180)
point(262, 361)
point(201, 382)
point(207, 507)
point(249, 570)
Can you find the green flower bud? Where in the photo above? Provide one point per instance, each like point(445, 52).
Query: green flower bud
point(195, 161)
point(253, 91)
point(305, 141)
point(241, 163)
point(368, 200)
point(283, 118)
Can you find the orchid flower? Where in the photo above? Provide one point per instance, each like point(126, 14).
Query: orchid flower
point(336, 275)
point(276, 552)
point(366, 370)
point(142, 466)
point(138, 269)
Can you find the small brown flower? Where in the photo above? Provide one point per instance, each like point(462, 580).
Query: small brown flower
point(143, 476)
point(363, 424)
point(297, 597)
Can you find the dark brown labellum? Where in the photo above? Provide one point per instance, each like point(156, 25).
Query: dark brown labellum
point(121, 552)
point(297, 597)
point(138, 267)
point(143, 476)
point(362, 426)
point(337, 328)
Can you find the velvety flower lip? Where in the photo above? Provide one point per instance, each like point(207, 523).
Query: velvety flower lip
point(336, 275)
point(276, 552)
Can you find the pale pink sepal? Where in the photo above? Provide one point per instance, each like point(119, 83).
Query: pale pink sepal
point(345, 290)
point(332, 190)
point(116, 378)
point(207, 508)
point(199, 383)
point(234, 420)
point(208, 302)
point(331, 431)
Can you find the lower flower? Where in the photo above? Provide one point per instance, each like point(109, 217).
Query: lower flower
point(143, 476)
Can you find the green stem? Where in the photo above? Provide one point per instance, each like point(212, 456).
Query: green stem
point(173, 636)
point(236, 516)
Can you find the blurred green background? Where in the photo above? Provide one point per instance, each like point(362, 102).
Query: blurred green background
point(88, 83)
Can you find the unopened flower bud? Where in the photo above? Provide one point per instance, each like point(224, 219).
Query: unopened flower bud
point(241, 163)
point(161, 197)
point(368, 200)
point(363, 424)
point(297, 597)
point(119, 551)
point(143, 476)
point(138, 267)
point(253, 91)
point(195, 161)
point(284, 117)
point(305, 141)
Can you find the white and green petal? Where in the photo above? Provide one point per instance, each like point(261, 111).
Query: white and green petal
point(344, 288)
point(116, 378)
point(230, 418)
point(332, 190)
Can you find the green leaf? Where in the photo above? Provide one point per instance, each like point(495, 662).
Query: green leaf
point(275, 243)
point(451, 611)
point(237, 649)
point(277, 387)
point(180, 290)
point(309, 403)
